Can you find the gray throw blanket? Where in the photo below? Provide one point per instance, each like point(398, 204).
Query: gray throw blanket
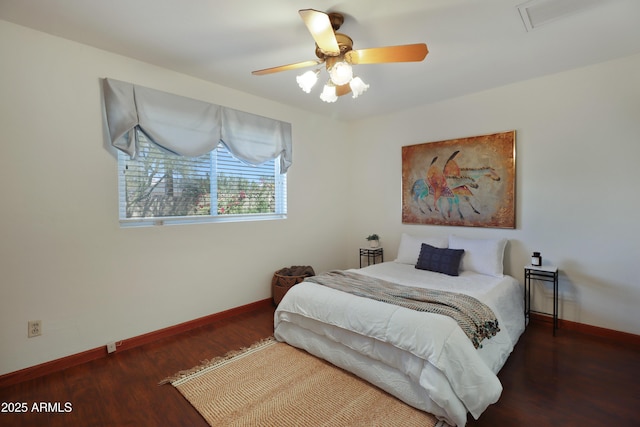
point(475, 318)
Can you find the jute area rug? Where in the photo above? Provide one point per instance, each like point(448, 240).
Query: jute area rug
point(275, 384)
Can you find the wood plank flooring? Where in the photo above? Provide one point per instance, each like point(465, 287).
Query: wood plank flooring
point(570, 380)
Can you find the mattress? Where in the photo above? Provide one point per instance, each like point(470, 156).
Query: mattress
point(424, 359)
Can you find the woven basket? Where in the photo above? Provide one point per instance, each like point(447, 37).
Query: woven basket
point(281, 283)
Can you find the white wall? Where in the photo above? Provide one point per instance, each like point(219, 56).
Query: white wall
point(63, 257)
point(65, 260)
point(578, 154)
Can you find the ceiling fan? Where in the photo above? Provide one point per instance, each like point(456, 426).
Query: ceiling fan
point(336, 51)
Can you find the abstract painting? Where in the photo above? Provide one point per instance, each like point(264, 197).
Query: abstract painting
point(461, 182)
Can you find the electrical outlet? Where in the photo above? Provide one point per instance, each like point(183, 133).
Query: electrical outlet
point(35, 328)
point(111, 347)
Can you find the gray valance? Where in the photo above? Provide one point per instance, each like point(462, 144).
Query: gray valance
point(189, 127)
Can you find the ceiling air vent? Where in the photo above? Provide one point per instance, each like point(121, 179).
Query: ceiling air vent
point(535, 13)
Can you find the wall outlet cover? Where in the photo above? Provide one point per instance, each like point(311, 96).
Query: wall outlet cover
point(35, 328)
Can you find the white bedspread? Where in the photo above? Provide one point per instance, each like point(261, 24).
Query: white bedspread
point(424, 359)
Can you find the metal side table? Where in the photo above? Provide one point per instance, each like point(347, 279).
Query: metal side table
point(371, 255)
point(545, 273)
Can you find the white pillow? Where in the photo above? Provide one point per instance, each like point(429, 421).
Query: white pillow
point(409, 249)
point(484, 256)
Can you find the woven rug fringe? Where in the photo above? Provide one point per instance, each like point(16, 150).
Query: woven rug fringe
point(207, 363)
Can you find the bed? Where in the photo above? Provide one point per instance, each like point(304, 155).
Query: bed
point(423, 358)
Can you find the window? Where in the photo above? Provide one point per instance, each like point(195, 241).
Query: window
point(159, 187)
point(183, 160)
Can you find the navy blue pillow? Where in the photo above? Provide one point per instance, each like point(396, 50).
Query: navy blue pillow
point(445, 261)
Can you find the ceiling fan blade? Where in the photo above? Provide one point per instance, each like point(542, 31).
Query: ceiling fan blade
point(404, 53)
point(286, 67)
point(319, 25)
point(343, 89)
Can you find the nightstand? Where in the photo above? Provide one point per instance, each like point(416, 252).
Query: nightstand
point(545, 273)
point(371, 255)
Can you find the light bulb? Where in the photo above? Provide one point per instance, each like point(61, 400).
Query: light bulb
point(358, 87)
point(307, 80)
point(329, 93)
point(341, 73)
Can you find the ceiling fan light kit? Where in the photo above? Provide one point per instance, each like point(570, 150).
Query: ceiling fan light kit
point(341, 73)
point(307, 80)
point(329, 93)
point(335, 50)
point(358, 87)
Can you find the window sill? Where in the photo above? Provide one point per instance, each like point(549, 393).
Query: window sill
point(183, 220)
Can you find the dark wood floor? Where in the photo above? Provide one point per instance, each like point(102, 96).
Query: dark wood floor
point(569, 380)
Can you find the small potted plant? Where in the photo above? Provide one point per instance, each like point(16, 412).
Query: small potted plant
point(374, 240)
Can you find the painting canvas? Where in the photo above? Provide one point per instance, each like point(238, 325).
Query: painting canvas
point(460, 182)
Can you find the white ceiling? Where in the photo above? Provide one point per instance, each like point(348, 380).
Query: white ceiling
point(473, 44)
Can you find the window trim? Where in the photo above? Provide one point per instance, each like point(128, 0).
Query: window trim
point(197, 219)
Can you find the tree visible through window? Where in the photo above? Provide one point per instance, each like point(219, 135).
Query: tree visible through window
point(161, 186)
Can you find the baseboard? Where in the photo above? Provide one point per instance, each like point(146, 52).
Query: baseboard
point(617, 336)
point(97, 353)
